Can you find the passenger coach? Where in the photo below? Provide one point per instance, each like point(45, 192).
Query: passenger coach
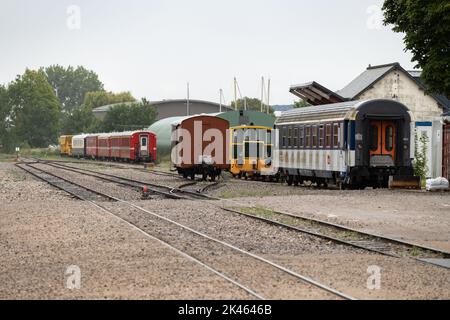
point(132, 146)
point(353, 144)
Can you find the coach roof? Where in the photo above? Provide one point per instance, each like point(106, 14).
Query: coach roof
point(339, 111)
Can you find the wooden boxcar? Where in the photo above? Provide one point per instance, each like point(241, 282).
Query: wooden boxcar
point(201, 146)
point(65, 145)
point(133, 146)
point(91, 146)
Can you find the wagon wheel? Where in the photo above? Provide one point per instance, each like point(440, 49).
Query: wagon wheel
point(289, 180)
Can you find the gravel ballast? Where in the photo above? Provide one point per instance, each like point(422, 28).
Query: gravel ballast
point(43, 231)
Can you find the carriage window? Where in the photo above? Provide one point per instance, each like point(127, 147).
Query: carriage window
point(308, 137)
point(302, 137)
point(247, 149)
point(295, 137)
point(289, 137)
point(328, 136)
point(283, 138)
point(269, 151)
point(321, 136)
point(389, 138)
point(336, 135)
point(269, 137)
point(373, 138)
point(144, 142)
point(314, 136)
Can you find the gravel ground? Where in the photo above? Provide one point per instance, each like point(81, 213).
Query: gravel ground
point(340, 267)
point(42, 232)
point(414, 216)
point(418, 217)
point(53, 231)
point(246, 270)
point(16, 186)
point(96, 184)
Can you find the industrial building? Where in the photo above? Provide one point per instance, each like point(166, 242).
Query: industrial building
point(172, 108)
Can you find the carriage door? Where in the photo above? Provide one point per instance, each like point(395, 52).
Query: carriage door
point(382, 135)
point(144, 145)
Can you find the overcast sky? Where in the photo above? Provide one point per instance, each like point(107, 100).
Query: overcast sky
point(153, 47)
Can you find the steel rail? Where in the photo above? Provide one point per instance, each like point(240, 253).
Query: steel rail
point(98, 174)
point(336, 226)
point(71, 192)
point(231, 246)
point(182, 253)
point(169, 191)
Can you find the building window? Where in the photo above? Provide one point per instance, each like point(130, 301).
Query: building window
point(328, 136)
point(314, 136)
point(302, 137)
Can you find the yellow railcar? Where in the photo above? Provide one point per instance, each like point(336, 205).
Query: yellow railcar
point(65, 145)
point(251, 151)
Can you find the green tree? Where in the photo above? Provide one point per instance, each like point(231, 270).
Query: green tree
point(420, 156)
point(301, 103)
point(129, 116)
point(35, 109)
point(250, 104)
point(71, 84)
point(96, 99)
point(426, 25)
point(5, 109)
point(81, 120)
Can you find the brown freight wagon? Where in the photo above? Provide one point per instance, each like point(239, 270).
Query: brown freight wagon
point(200, 146)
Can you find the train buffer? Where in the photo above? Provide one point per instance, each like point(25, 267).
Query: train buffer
point(404, 182)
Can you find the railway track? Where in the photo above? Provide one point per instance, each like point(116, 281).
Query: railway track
point(115, 165)
point(166, 191)
point(76, 190)
point(260, 267)
point(344, 235)
point(334, 232)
